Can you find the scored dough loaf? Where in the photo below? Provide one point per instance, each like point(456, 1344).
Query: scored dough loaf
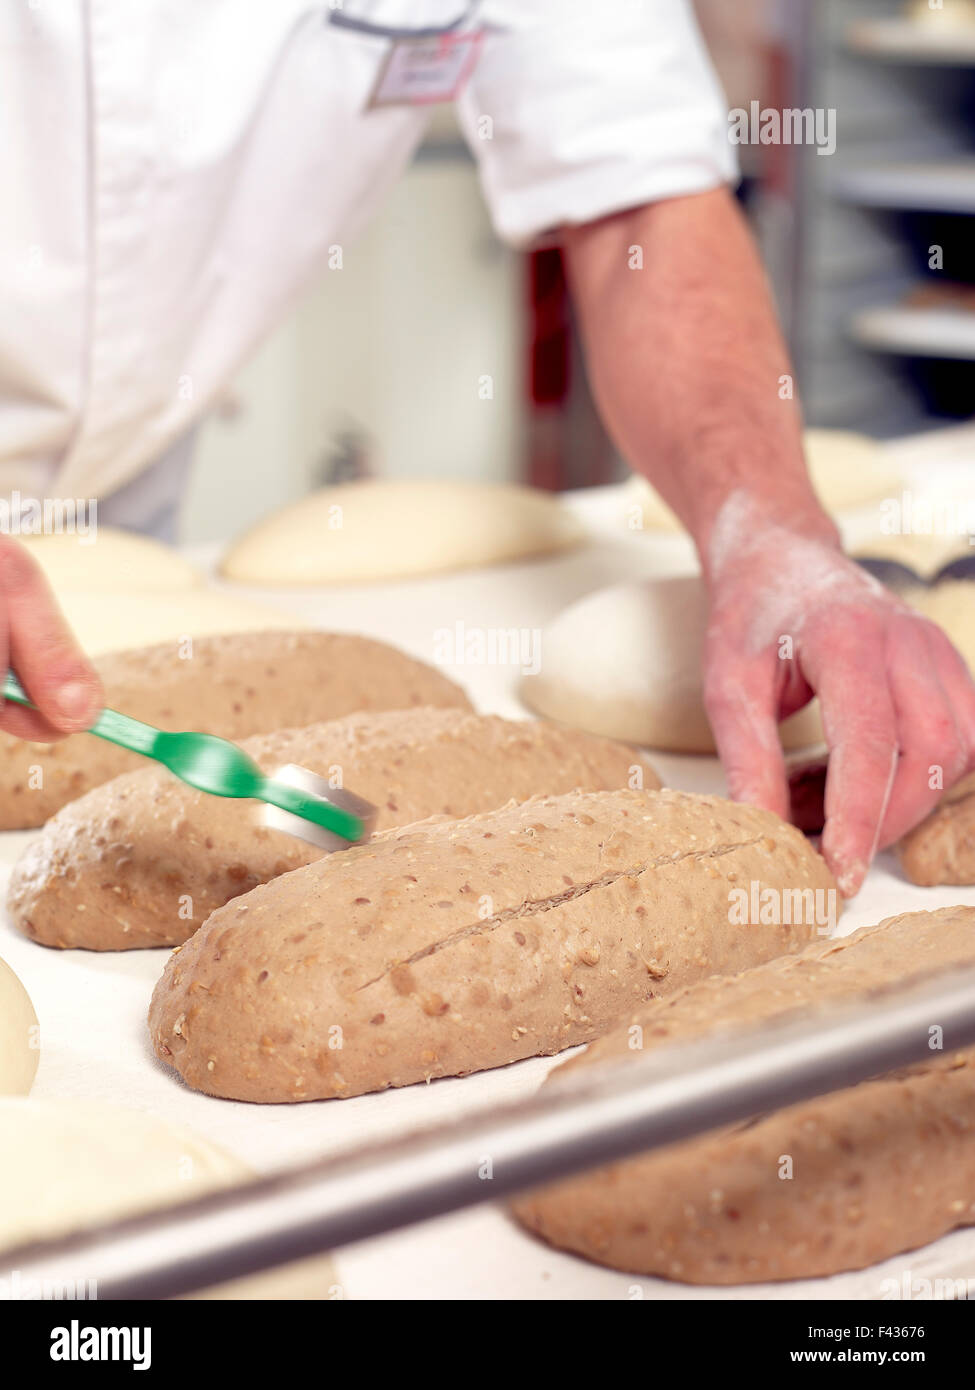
point(446, 948)
point(232, 686)
point(143, 860)
point(69, 1164)
point(942, 848)
point(392, 528)
point(881, 1167)
point(19, 1053)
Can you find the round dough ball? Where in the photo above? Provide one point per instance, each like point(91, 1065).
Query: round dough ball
point(67, 1164)
point(112, 561)
point(847, 470)
point(952, 606)
point(119, 622)
point(626, 662)
point(19, 1053)
point(397, 528)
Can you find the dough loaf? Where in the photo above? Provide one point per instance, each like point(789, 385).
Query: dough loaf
point(148, 858)
point(942, 848)
point(232, 686)
point(19, 1052)
point(68, 1164)
point(884, 1166)
point(395, 528)
point(448, 947)
point(626, 662)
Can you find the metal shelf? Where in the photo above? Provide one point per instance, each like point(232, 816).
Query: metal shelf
point(942, 186)
point(917, 332)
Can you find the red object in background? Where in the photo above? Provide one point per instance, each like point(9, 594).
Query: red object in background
point(549, 358)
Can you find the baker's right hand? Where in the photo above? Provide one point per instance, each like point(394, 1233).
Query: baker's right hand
point(36, 642)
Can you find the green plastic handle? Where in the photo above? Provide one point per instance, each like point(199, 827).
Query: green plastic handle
point(238, 777)
point(110, 725)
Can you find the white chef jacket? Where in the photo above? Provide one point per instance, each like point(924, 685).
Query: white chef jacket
point(173, 171)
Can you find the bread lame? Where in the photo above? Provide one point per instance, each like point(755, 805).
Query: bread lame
point(297, 801)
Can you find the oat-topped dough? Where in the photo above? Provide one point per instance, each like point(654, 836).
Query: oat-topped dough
point(234, 686)
point(831, 1184)
point(144, 859)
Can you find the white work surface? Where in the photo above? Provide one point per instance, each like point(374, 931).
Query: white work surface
point(92, 1007)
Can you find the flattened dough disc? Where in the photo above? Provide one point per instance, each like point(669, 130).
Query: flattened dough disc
point(18, 1036)
point(67, 1164)
point(395, 528)
point(626, 662)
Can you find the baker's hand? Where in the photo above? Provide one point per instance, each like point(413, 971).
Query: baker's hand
point(37, 643)
point(792, 616)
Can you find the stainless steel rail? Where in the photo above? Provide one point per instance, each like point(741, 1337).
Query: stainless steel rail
point(589, 1117)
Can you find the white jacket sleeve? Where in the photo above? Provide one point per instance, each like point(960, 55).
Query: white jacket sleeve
point(580, 108)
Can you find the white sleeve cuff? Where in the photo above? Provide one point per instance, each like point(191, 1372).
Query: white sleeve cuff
point(575, 111)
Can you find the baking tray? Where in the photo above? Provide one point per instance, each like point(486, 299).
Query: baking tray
point(92, 1007)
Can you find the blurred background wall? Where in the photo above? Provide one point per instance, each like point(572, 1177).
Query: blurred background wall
point(436, 350)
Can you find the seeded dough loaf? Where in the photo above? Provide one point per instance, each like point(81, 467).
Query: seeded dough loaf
point(881, 1167)
point(942, 848)
point(445, 948)
point(144, 859)
point(234, 685)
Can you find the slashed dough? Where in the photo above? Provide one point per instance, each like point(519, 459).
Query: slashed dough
point(66, 1164)
point(18, 1036)
point(395, 528)
point(625, 662)
point(111, 561)
point(847, 470)
point(119, 622)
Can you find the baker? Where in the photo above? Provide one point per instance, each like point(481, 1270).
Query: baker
point(174, 173)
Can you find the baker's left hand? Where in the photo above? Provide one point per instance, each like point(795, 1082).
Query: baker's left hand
point(791, 616)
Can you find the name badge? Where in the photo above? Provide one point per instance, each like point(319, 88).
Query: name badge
point(422, 72)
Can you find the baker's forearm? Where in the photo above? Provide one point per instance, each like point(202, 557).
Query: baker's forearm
point(686, 361)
